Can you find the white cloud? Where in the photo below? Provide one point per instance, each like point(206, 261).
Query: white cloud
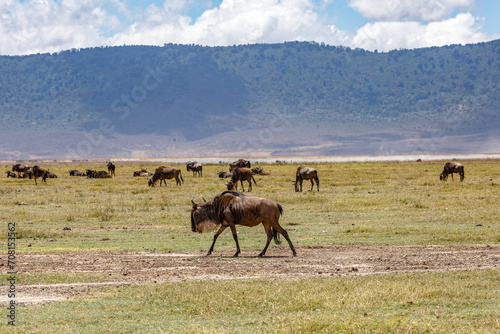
point(234, 22)
point(53, 25)
point(409, 10)
point(386, 36)
point(49, 26)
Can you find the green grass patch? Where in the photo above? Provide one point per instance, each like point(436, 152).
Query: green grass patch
point(459, 302)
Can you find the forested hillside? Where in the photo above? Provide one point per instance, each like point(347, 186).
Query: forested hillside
point(188, 95)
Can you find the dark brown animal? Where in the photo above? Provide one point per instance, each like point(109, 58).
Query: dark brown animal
point(74, 172)
point(142, 172)
point(241, 174)
point(50, 175)
point(111, 168)
point(196, 167)
point(37, 172)
point(20, 168)
point(241, 163)
point(306, 173)
point(260, 171)
point(232, 208)
point(223, 175)
point(450, 168)
point(13, 175)
point(166, 173)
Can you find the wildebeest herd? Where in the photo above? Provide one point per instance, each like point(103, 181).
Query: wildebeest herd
point(228, 209)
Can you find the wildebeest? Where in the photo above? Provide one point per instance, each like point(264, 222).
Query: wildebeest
point(223, 175)
point(450, 168)
point(20, 168)
point(37, 172)
point(74, 172)
point(196, 167)
point(241, 163)
point(13, 175)
point(94, 174)
point(142, 172)
point(232, 208)
point(241, 174)
point(50, 175)
point(260, 171)
point(166, 173)
point(111, 168)
point(306, 173)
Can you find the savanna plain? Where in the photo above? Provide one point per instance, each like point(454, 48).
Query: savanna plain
point(383, 247)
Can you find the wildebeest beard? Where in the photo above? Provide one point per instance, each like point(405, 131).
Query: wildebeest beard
point(213, 213)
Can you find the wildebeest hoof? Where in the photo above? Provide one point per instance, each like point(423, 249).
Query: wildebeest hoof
point(235, 255)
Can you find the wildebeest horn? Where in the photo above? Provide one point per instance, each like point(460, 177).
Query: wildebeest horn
point(204, 200)
point(192, 200)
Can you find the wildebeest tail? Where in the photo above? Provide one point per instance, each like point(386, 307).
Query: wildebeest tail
point(180, 174)
point(254, 180)
point(280, 208)
point(276, 236)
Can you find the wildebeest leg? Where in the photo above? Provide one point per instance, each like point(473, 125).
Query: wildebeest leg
point(235, 237)
point(241, 181)
point(451, 176)
point(269, 233)
point(249, 185)
point(216, 235)
point(317, 182)
point(285, 234)
point(312, 185)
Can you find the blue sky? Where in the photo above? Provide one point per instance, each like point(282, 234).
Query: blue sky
point(33, 26)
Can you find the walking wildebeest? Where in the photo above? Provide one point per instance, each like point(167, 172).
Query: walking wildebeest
point(111, 168)
point(196, 167)
point(223, 175)
point(241, 163)
point(232, 208)
point(166, 173)
point(241, 174)
point(450, 168)
point(306, 173)
point(37, 172)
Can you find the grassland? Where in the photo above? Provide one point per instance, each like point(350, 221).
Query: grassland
point(389, 203)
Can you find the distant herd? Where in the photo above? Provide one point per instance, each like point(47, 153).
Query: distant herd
point(239, 170)
point(228, 209)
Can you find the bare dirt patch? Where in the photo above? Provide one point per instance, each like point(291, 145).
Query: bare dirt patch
point(126, 268)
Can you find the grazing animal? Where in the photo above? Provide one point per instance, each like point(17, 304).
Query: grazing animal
point(196, 167)
point(166, 173)
point(450, 168)
point(111, 168)
point(241, 174)
point(37, 172)
point(306, 173)
point(20, 168)
point(241, 163)
point(232, 208)
point(223, 175)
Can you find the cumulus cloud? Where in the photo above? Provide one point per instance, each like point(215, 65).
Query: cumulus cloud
point(409, 10)
point(235, 22)
point(386, 36)
point(52, 25)
point(48, 26)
